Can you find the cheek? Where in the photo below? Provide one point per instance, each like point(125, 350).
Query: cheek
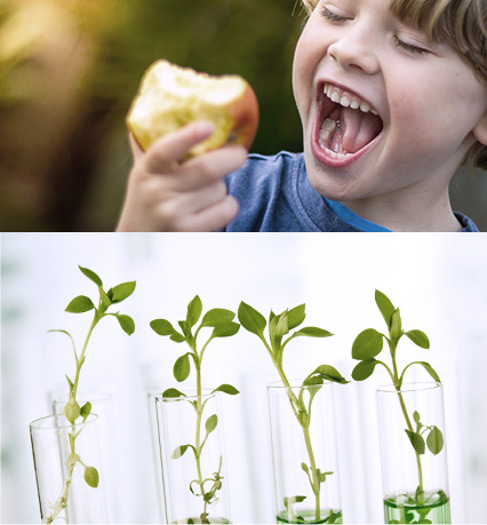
point(434, 118)
point(444, 104)
point(310, 50)
point(301, 67)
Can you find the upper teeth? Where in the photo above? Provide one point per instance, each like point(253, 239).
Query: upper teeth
point(346, 100)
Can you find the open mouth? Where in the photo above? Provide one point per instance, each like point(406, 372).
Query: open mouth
point(346, 124)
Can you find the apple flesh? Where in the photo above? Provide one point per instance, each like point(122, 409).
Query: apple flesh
point(171, 97)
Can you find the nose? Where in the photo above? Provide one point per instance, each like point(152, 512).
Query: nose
point(355, 50)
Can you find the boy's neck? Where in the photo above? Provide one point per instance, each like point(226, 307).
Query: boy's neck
point(412, 215)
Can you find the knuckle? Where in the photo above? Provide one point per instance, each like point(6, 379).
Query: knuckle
point(168, 213)
point(207, 171)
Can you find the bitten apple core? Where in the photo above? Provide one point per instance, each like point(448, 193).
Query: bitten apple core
point(171, 97)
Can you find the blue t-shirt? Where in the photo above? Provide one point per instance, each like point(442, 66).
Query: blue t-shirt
point(275, 195)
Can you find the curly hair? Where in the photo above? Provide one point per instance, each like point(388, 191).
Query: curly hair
point(462, 24)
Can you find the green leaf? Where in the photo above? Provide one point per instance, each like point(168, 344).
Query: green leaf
point(431, 371)
point(328, 472)
point(72, 410)
point(126, 322)
point(364, 369)
point(85, 410)
point(217, 316)
point(329, 373)
point(80, 304)
point(211, 423)
point(177, 337)
point(70, 383)
point(226, 330)
point(227, 389)
point(119, 293)
point(419, 338)
point(296, 316)
point(416, 416)
point(313, 380)
point(179, 451)
point(396, 325)
point(91, 476)
point(313, 331)
point(185, 327)
point(173, 392)
point(91, 275)
point(435, 440)
point(105, 300)
point(279, 326)
point(292, 500)
point(305, 467)
point(162, 327)
point(385, 306)
point(194, 310)
point(417, 441)
point(367, 344)
point(336, 517)
point(251, 319)
point(182, 368)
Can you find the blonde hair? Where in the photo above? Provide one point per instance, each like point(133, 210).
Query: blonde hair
point(462, 24)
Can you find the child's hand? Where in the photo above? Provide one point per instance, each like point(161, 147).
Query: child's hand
point(165, 193)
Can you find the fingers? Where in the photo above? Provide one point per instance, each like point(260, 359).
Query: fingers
point(205, 209)
point(165, 194)
point(211, 167)
point(170, 149)
point(212, 218)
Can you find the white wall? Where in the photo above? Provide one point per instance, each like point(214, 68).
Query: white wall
point(439, 282)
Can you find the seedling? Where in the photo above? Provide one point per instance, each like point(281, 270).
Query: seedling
point(366, 348)
point(279, 333)
point(72, 410)
point(221, 323)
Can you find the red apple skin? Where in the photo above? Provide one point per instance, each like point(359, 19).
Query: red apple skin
point(243, 111)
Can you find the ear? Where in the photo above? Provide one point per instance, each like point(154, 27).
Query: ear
point(480, 130)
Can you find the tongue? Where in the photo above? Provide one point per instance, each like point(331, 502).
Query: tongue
point(359, 128)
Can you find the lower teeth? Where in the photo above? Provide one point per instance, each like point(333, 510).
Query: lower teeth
point(335, 154)
point(327, 128)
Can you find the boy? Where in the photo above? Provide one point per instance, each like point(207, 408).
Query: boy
point(392, 99)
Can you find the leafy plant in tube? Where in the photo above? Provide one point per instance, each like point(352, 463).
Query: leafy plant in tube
point(73, 412)
point(366, 348)
point(220, 322)
point(279, 334)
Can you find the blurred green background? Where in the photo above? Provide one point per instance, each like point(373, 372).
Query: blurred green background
point(70, 68)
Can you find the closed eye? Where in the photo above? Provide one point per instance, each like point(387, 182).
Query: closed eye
point(333, 17)
point(410, 48)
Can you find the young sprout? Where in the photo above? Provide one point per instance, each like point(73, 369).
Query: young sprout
point(72, 410)
point(279, 334)
point(221, 323)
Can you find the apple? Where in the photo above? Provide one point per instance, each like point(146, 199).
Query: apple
point(172, 96)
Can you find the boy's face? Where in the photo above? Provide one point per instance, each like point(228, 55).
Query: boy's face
point(420, 103)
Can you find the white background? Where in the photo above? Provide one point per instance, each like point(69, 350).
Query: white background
point(439, 282)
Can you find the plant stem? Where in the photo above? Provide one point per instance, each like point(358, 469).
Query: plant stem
point(62, 501)
point(81, 359)
point(199, 414)
point(298, 404)
point(298, 407)
point(315, 485)
point(410, 427)
point(397, 385)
